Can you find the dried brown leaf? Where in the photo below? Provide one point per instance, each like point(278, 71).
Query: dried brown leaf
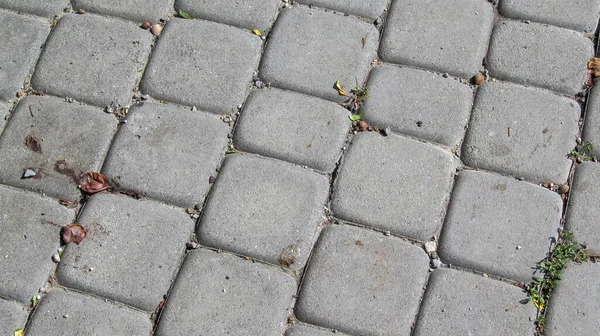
point(94, 183)
point(33, 143)
point(73, 233)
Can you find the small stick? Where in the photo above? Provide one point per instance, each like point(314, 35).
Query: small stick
point(30, 111)
point(509, 132)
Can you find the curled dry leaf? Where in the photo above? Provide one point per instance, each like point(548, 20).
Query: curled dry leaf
point(73, 233)
point(94, 183)
point(256, 32)
point(339, 89)
point(594, 66)
point(65, 203)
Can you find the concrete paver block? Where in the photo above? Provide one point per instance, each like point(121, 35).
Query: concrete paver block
point(469, 304)
point(393, 183)
point(499, 225)
point(249, 14)
point(579, 15)
point(591, 128)
point(47, 8)
point(583, 212)
point(4, 115)
point(370, 9)
point(445, 36)
point(522, 132)
point(45, 132)
point(13, 317)
point(93, 59)
point(575, 305)
point(132, 251)
point(30, 234)
point(318, 55)
point(168, 153)
point(202, 64)
point(418, 103)
point(293, 127)
point(303, 330)
point(23, 38)
point(136, 10)
point(265, 209)
point(363, 283)
point(62, 312)
point(524, 53)
point(220, 294)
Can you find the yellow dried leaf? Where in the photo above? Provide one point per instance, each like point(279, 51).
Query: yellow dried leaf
point(18, 332)
point(339, 89)
point(256, 32)
point(594, 65)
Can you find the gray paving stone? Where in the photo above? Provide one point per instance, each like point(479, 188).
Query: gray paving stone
point(293, 127)
point(62, 312)
point(221, 294)
point(202, 64)
point(136, 10)
point(393, 183)
point(78, 134)
point(318, 55)
point(370, 9)
point(168, 153)
point(575, 305)
point(499, 225)
point(250, 14)
point(591, 128)
point(4, 115)
point(265, 209)
point(303, 330)
point(542, 125)
point(47, 8)
point(583, 212)
point(525, 53)
point(30, 226)
point(97, 59)
point(418, 103)
point(579, 15)
point(132, 251)
point(363, 283)
point(448, 36)
point(461, 303)
point(13, 317)
point(23, 38)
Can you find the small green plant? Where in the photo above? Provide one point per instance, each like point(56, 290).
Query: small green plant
point(581, 152)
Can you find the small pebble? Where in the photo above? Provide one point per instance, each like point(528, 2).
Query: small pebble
point(387, 233)
point(430, 246)
point(156, 29)
point(436, 263)
point(446, 75)
point(29, 173)
point(81, 11)
point(362, 125)
point(563, 189)
point(259, 84)
point(212, 179)
point(519, 247)
point(191, 245)
point(66, 316)
point(485, 275)
point(56, 258)
point(145, 97)
point(194, 108)
point(386, 131)
point(478, 79)
point(147, 25)
point(378, 21)
point(91, 269)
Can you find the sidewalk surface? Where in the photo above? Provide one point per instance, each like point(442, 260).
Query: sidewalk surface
point(247, 199)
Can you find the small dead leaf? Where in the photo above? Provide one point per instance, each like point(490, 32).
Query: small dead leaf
point(65, 203)
point(256, 32)
point(191, 211)
point(339, 88)
point(185, 15)
point(354, 117)
point(33, 143)
point(73, 233)
point(94, 183)
point(364, 41)
point(594, 65)
point(18, 332)
point(288, 255)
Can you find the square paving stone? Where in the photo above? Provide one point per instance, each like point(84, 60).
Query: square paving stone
point(250, 14)
point(30, 234)
point(23, 38)
point(522, 132)
point(469, 304)
point(222, 294)
point(579, 15)
point(265, 209)
point(13, 317)
point(583, 211)
point(499, 225)
point(539, 55)
point(445, 36)
point(318, 55)
point(93, 59)
point(591, 128)
point(363, 283)
point(303, 330)
point(47, 8)
point(393, 183)
point(136, 10)
point(168, 153)
point(575, 305)
point(202, 64)
point(293, 127)
point(418, 103)
point(132, 251)
point(371, 9)
point(61, 312)
point(43, 133)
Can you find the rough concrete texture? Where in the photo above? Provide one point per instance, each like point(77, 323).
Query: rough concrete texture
point(168, 153)
point(249, 14)
point(445, 36)
point(13, 317)
point(203, 64)
point(418, 103)
point(47, 8)
point(575, 305)
point(393, 183)
point(579, 15)
point(462, 303)
point(523, 53)
point(363, 283)
point(293, 127)
point(23, 38)
point(63, 312)
point(60, 141)
point(132, 251)
point(278, 207)
point(4, 115)
point(591, 130)
point(499, 225)
point(287, 64)
point(30, 234)
point(222, 294)
point(369, 9)
point(583, 212)
point(135, 10)
point(305, 330)
point(523, 132)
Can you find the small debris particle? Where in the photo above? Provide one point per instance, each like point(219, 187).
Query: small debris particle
point(94, 183)
point(519, 247)
point(73, 233)
point(28, 173)
point(56, 258)
point(363, 125)
point(66, 316)
point(386, 131)
point(430, 246)
point(478, 79)
point(147, 25)
point(563, 189)
point(81, 11)
point(419, 123)
point(33, 143)
point(359, 243)
point(387, 233)
point(485, 275)
point(191, 245)
point(435, 263)
point(156, 29)
point(212, 179)
point(145, 97)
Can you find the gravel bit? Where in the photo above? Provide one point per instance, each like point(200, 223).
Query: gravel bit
point(28, 173)
point(436, 263)
point(386, 131)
